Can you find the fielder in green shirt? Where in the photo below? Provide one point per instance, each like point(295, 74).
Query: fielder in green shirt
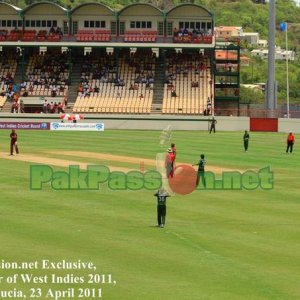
point(246, 138)
point(201, 171)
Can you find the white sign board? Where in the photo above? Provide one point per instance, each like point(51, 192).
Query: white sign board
point(77, 126)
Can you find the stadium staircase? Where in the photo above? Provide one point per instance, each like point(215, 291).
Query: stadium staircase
point(6, 107)
point(17, 80)
point(75, 79)
point(158, 93)
point(18, 77)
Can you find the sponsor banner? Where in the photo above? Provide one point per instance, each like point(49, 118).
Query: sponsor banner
point(25, 125)
point(77, 126)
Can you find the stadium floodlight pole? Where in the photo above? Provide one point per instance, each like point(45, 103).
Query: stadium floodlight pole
point(287, 73)
point(271, 97)
point(212, 98)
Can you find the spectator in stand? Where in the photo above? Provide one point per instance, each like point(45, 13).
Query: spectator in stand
point(15, 88)
point(14, 107)
point(185, 72)
point(22, 107)
point(51, 110)
point(86, 93)
point(208, 106)
point(170, 86)
point(65, 101)
point(131, 88)
point(31, 89)
point(45, 106)
point(144, 79)
point(59, 31)
point(60, 108)
point(138, 79)
point(55, 108)
point(9, 95)
point(195, 33)
point(151, 79)
point(52, 30)
point(118, 96)
point(80, 88)
point(53, 91)
point(173, 93)
point(175, 32)
point(229, 67)
point(16, 97)
point(23, 85)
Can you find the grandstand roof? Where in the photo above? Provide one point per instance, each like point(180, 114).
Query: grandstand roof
point(138, 4)
point(17, 9)
point(113, 12)
point(93, 3)
point(189, 5)
point(42, 3)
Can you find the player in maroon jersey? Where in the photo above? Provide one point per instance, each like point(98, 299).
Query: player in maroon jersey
point(13, 142)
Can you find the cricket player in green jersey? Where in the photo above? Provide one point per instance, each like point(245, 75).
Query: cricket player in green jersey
point(201, 171)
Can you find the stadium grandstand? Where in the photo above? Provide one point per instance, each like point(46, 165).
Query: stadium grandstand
point(138, 60)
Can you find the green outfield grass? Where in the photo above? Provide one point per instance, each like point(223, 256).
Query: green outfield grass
point(216, 244)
